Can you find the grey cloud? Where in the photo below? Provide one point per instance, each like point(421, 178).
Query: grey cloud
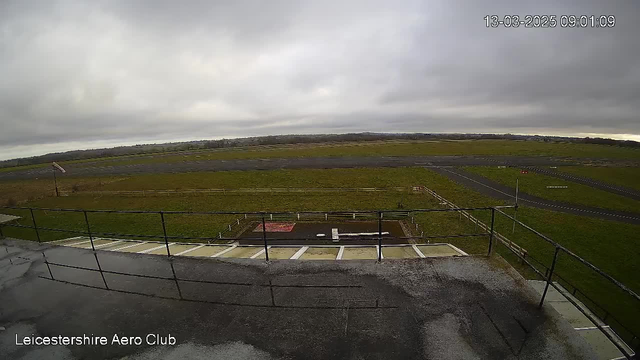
point(82, 72)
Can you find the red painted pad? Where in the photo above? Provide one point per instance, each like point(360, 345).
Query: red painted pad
point(276, 227)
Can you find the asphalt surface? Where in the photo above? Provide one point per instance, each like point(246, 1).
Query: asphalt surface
point(445, 308)
point(615, 189)
point(288, 163)
point(498, 191)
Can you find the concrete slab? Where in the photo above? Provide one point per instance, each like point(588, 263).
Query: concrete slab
point(320, 253)
point(174, 249)
point(399, 252)
point(139, 247)
point(552, 293)
point(4, 218)
point(97, 242)
point(280, 253)
point(360, 253)
point(571, 314)
point(601, 344)
point(68, 241)
point(206, 251)
point(437, 250)
point(242, 252)
point(116, 244)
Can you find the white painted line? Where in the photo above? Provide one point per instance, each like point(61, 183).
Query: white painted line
point(189, 250)
point(67, 239)
point(297, 255)
point(340, 252)
point(107, 244)
point(458, 250)
point(590, 327)
point(129, 246)
point(334, 234)
point(259, 253)
point(79, 243)
point(415, 248)
point(152, 249)
point(224, 251)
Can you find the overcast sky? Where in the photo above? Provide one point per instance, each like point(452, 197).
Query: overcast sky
point(88, 74)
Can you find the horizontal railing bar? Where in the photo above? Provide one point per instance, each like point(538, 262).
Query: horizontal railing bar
point(199, 281)
point(265, 213)
point(572, 254)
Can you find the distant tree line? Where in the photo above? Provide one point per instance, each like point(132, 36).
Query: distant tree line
point(142, 149)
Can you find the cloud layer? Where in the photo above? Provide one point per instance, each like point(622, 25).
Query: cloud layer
point(80, 74)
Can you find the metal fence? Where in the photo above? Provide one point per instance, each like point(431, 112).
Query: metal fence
point(372, 215)
point(626, 334)
point(489, 231)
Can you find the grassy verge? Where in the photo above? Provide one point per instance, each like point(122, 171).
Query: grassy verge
point(623, 176)
point(606, 244)
point(536, 184)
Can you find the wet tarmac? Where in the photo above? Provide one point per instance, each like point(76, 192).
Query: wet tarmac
point(441, 308)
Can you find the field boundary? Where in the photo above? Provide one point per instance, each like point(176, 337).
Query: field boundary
point(235, 191)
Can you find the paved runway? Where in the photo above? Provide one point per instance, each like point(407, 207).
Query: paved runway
point(290, 163)
point(496, 190)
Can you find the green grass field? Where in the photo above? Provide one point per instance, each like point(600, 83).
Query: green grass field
point(372, 148)
point(606, 244)
point(623, 176)
point(536, 184)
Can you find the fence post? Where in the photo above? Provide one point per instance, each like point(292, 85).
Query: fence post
point(164, 231)
point(379, 236)
point(86, 220)
point(493, 218)
point(546, 287)
point(264, 238)
point(35, 227)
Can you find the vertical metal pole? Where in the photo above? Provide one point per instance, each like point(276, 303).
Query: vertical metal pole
point(47, 263)
point(101, 272)
point(515, 211)
point(493, 219)
point(175, 279)
point(379, 236)
point(264, 238)
point(164, 230)
point(55, 181)
point(35, 227)
point(1, 233)
point(546, 287)
point(86, 220)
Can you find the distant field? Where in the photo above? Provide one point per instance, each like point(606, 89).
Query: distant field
point(536, 184)
point(374, 148)
point(607, 244)
point(623, 176)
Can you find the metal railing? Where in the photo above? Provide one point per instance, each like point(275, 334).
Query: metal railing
point(261, 216)
point(373, 215)
point(629, 337)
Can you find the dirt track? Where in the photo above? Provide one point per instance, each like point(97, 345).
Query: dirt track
point(290, 163)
